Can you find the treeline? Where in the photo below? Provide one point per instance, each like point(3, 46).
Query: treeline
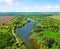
point(46, 33)
point(7, 39)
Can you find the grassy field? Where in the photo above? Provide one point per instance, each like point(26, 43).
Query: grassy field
point(56, 17)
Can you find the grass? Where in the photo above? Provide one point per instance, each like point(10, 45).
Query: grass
point(52, 35)
point(55, 17)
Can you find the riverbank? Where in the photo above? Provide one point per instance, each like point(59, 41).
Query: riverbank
point(14, 34)
point(18, 40)
point(46, 33)
point(25, 32)
point(35, 44)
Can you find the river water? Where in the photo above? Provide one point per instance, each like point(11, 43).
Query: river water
point(25, 32)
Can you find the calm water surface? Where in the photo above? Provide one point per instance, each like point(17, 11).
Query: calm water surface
point(25, 32)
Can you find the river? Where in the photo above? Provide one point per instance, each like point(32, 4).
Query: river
point(25, 32)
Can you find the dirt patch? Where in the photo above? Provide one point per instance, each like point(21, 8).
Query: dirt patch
point(57, 18)
point(35, 44)
point(5, 19)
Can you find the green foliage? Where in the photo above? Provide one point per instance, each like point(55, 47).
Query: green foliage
point(7, 39)
point(54, 47)
point(46, 33)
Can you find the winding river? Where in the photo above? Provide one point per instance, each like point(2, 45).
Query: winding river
point(25, 32)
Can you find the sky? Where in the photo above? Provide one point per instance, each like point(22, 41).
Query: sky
point(29, 5)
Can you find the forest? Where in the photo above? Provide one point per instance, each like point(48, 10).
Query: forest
point(7, 37)
point(47, 32)
point(45, 35)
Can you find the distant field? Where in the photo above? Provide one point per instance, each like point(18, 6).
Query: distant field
point(55, 17)
point(4, 19)
point(0, 16)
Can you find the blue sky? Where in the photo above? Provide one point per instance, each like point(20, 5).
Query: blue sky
point(29, 5)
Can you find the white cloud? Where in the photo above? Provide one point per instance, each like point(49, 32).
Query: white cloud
point(46, 8)
point(17, 3)
point(7, 1)
point(52, 7)
point(1, 6)
point(10, 3)
point(0, 0)
point(36, 6)
point(27, 7)
point(57, 6)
